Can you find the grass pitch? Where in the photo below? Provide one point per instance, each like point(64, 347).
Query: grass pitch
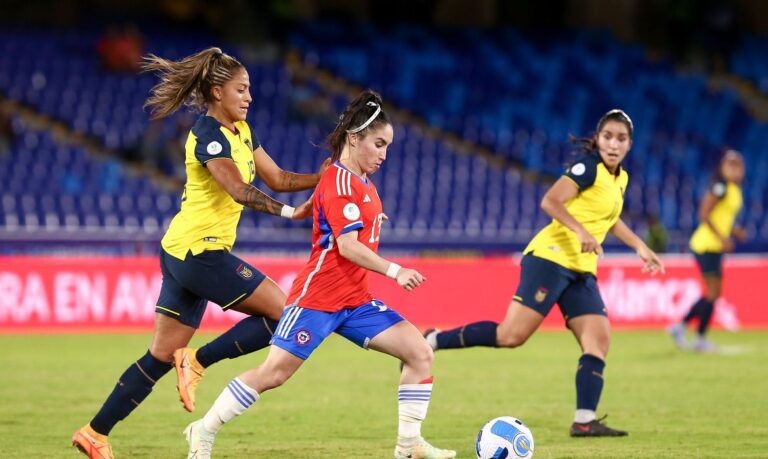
point(342, 403)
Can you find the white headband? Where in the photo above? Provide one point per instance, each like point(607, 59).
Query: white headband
point(369, 121)
point(620, 112)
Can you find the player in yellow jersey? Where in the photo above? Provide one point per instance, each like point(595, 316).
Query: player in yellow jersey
point(560, 265)
point(713, 237)
point(223, 157)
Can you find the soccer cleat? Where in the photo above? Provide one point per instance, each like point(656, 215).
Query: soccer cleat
point(189, 372)
point(423, 450)
point(702, 344)
point(431, 337)
point(200, 440)
point(677, 332)
point(91, 443)
point(595, 428)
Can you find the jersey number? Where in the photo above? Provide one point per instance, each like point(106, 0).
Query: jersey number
point(374, 235)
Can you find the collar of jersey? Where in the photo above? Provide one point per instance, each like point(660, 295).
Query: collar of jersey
point(364, 180)
point(236, 131)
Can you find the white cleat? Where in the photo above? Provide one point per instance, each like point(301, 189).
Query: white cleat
point(200, 440)
point(423, 450)
point(677, 332)
point(431, 337)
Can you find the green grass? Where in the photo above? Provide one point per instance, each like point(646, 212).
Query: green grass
point(342, 404)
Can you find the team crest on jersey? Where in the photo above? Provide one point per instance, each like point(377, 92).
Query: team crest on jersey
point(214, 148)
point(244, 272)
point(351, 212)
point(302, 337)
point(248, 142)
point(541, 294)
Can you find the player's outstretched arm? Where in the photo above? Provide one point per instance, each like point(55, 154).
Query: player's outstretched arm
point(280, 180)
point(624, 233)
point(226, 174)
point(359, 254)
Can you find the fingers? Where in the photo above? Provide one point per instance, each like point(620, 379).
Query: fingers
point(412, 280)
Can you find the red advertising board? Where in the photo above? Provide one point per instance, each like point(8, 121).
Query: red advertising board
point(100, 294)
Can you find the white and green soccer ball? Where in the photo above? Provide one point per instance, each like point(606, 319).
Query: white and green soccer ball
point(504, 438)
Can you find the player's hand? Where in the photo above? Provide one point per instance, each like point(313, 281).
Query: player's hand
point(653, 263)
point(324, 166)
point(409, 279)
point(589, 243)
point(739, 233)
point(304, 210)
point(727, 244)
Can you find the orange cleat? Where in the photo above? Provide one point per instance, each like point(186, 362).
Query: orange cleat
point(189, 372)
point(91, 443)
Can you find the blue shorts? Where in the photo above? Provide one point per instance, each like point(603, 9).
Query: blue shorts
point(301, 330)
point(214, 275)
point(710, 263)
point(544, 283)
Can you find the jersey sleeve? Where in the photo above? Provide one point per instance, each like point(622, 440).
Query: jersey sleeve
point(212, 144)
point(718, 188)
point(340, 206)
point(583, 171)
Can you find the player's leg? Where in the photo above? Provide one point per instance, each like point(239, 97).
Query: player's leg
point(238, 286)
point(133, 386)
point(541, 282)
point(710, 265)
point(179, 312)
point(585, 314)
point(298, 334)
point(377, 327)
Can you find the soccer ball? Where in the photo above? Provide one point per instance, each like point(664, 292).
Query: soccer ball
point(504, 437)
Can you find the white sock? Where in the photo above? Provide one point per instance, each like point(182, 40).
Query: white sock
point(584, 416)
point(232, 402)
point(413, 401)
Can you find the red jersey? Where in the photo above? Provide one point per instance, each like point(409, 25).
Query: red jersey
point(343, 202)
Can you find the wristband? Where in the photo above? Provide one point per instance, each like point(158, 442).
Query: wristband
point(287, 211)
point(392, 271)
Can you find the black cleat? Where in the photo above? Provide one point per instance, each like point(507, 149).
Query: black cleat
point(595, 428)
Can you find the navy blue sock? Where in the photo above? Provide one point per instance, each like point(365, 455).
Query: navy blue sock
point(248, 335)
point(705, 316)
point(132, 388)
point(695, 310)
point(589, 382)
point(474, 334)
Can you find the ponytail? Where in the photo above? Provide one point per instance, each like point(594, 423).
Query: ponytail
point(187, 81)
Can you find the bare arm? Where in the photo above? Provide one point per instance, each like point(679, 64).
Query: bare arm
point(553, 203)
point(359, 254)
point(280, 180)
point(625, 234)
point(226, 174)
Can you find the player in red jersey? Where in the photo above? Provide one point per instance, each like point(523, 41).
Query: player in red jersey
point(331, 293)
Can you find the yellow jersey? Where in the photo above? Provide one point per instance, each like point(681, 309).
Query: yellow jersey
point(597, 207)
point(722, 217)
point(209, 216)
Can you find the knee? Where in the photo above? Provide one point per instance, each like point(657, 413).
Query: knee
point(420, 358)
point(511, 339)
point(598, 346)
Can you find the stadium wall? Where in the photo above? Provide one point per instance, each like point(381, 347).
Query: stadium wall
point(46, 294)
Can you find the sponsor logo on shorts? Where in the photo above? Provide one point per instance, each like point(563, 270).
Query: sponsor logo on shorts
point(541, 294)
point(302, 337)
point(245, 272)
